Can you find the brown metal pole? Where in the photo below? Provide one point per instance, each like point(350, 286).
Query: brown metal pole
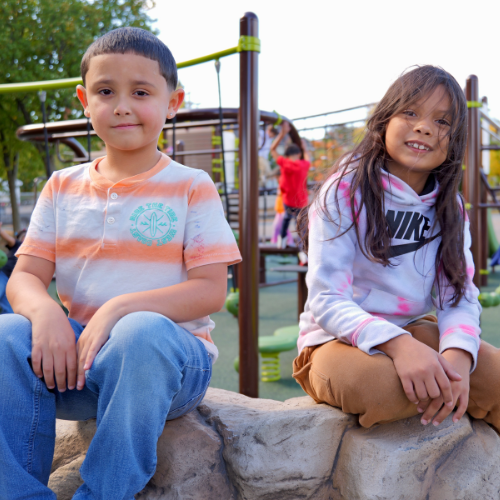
point(249, 222)
point(483, 231)
point(471, 184)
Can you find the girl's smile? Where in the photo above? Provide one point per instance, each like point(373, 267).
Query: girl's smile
point(418, 146)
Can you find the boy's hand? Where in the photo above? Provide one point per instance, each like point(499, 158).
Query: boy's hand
point(93, 337)
point(53, 348)
point(425, 374)
point(462, 361)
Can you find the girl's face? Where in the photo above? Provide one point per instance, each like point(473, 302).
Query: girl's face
point(417, 138)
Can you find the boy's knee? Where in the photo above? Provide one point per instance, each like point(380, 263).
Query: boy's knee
point(141, 332)
point(14, 327)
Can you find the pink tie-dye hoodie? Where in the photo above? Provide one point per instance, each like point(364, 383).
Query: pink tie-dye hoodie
point(367, 304)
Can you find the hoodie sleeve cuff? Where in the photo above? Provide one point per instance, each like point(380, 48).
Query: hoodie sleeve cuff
point(462, 341)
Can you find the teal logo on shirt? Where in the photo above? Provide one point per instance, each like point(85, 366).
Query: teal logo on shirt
point(155, 222)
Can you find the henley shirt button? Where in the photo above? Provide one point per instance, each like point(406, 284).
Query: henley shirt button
point(114, 196)
point(111, 220)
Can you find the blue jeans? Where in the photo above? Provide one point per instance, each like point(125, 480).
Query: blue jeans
point(149, 371)
point(4, 303)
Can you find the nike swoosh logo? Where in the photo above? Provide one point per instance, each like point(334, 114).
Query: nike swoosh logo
point(397, 250)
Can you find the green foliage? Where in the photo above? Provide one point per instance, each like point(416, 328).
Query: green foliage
point(45, 40)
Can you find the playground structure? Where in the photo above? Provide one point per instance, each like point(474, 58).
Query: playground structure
point(476, 187)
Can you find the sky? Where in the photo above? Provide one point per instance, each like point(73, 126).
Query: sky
point(323, 55)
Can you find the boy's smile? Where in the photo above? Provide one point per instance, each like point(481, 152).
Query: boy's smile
point(417, 139)
point(128, 100)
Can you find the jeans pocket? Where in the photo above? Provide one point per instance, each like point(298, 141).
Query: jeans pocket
point(194, 386)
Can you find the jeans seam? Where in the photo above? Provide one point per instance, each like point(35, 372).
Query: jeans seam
point(34, 425)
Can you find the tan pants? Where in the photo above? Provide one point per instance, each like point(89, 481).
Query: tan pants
point(346, 377)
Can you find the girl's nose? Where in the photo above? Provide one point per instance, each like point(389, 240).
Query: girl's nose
point(423, 128)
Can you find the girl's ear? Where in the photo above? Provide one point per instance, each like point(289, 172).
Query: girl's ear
point(176, 100)
point(81, 93)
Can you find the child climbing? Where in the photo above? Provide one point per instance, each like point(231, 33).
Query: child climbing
point(293, 180)
point(388, 241)
point(141, 263)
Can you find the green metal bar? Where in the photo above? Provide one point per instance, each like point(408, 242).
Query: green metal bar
point(72, 82)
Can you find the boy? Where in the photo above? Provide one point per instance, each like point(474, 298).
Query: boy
point(141, 249)
point(293, 180)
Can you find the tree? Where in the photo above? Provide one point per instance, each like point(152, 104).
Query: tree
point(45, 40)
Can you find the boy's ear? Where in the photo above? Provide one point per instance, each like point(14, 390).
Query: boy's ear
point(176, 100)
point(81, 93)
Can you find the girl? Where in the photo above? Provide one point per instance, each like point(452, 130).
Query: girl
point(388, 241)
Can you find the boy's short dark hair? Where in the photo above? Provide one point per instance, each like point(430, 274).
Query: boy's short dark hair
point(135, 41)
point(292, 150)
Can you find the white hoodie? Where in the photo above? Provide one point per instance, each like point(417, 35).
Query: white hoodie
point(366, 304)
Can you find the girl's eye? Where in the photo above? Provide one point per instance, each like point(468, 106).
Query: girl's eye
point(105, 92)
point(444, 122)
point(409, 112)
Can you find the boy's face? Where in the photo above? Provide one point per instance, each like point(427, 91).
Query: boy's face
point(128, 100)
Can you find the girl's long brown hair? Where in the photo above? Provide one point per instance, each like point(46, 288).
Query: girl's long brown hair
point(367, 159)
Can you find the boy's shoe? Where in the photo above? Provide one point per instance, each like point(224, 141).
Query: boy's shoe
point(303, 260)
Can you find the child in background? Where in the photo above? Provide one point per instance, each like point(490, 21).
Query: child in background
point(141, 248)
point(293, 180)
point(388, 241)
point(278, 222)
point(12, 243)
point(266, 139)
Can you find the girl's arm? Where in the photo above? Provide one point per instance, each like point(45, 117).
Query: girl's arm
point(285, 128)
point(459, 326)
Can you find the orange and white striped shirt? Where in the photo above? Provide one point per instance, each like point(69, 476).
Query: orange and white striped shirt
point(141, 233)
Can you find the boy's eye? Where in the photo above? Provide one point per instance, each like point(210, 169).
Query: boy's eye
point(141, 93)
point(105, 92)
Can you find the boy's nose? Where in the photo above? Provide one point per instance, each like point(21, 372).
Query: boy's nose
point(122, 109)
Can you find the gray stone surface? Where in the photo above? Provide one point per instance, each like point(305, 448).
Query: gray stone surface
point(237, 448)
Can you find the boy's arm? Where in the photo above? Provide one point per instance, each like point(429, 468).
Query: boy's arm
point(53, 339)
point(285, 128)
point(203, 293)
point(7, 237)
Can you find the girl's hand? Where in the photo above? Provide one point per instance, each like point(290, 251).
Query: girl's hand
point(93, 337)
point(53, 348)
point(462, 361)
point(285, 127)
point(425, 374)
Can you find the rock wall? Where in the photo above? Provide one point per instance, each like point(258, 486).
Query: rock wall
point(237, 448)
